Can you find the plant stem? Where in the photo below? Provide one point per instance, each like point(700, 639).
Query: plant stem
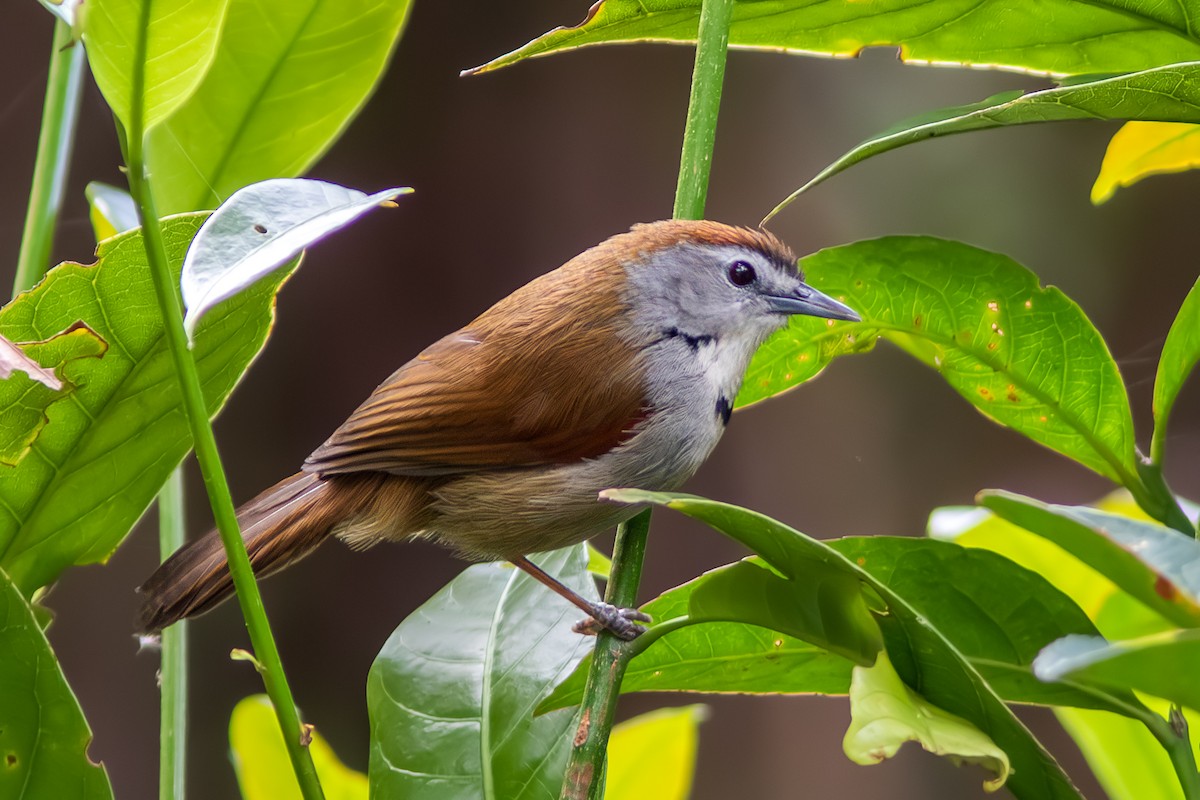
point(172, 732)
point(700, 130)
point(1173, 736)
point(60, 112)
point(585, 769)
point(166, 287)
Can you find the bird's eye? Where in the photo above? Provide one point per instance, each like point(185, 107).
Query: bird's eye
point(741, 273)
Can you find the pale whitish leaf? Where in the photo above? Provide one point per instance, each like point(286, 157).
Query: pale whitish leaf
point(259, 229)
point(112, 210)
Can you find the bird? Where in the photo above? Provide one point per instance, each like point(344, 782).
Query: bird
point(618, 369)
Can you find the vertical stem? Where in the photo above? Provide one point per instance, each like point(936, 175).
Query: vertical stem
point(700, 131)
point(172, 736)
point(166, 287)
point(585, 769)
point(60, 113)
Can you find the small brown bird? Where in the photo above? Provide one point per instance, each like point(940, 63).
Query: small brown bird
point(618, 369)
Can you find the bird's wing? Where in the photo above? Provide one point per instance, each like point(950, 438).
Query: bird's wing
point(485, 397)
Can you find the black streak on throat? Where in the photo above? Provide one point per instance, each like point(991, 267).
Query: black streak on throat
point(724, 409)
point(693, 341)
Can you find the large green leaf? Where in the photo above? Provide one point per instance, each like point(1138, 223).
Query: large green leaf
point(1023, 355)
point(43, 735)
point(1163, 94)
point(996, 613)
point(261, 761)
point(1064, 37)
point(40, 376)
point(1128, 761)
point(286, 81)
point(108, 448)
point(452, 693)
point(1151, 562)
point(654, 755)
point(148, 56)
point(1163, 664)
point(924, 657)
point(1180, 353)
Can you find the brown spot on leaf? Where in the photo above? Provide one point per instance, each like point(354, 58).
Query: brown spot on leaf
point(260, 228)
point(917, 321)
point(985, 393)
point(1012, 394)
point(1165, 589)
point(11, 760)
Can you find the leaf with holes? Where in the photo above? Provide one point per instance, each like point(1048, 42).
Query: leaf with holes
point(259, 230)
point(109, 447)
point(288, 78)
point(452, 693)
point(1061, 37)
point(43, 735)
point(1025, 356)
point(33, 388)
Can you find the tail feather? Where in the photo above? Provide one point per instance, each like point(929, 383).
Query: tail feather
point(279, 526)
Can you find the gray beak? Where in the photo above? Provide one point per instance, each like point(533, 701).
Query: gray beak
point(807, 300)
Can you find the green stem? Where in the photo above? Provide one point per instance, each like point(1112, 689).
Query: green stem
point(585, 769)
point(172, 736)
point(700, 131)
point(1151, 492)
point(166, 288)
point(60, 112)
point(1174, 738)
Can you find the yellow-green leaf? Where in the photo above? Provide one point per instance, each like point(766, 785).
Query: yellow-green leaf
point(654, 755)
point(261, 761)
point(885, 714)
point(1142, 149)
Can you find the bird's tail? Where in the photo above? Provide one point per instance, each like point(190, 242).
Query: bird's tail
point(279, 526)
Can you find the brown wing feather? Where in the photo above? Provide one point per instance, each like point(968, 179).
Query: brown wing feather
point(542, 377)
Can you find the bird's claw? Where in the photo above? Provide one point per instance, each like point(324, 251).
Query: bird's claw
point(617, 621)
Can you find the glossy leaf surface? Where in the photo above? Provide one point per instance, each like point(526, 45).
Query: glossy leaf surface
point(451, 695)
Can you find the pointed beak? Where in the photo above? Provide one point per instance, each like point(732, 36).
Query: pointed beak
point(807, 300)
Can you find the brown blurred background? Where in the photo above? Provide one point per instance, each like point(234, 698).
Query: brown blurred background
point(517, 171)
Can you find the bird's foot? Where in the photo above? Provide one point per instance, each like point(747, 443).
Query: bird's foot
point(617, 621)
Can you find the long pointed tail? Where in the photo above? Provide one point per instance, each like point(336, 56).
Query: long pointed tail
point(279, 526)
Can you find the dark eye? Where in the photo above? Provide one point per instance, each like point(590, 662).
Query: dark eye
point(741, 273)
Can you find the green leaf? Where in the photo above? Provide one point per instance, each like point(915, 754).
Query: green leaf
point(288, 78)
point(998, 615)
point(923, 656)
point(654, 755)
point(43, 735)
point(1164, 664)
point(1062, 37)
point(108, 449)
point(1142, 149)
point(259, 230)
point(148, 56)
point(1153, 563)
point(261, 761)
point(452, 693)
point(884, 714)
point(112, 210)
point(1166, 94)
point(1180, 353)
point(1024, 356)
point(1128, 761)
point(33, 389)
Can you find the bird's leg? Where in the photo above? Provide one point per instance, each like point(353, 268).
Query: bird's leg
point(619, 621)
